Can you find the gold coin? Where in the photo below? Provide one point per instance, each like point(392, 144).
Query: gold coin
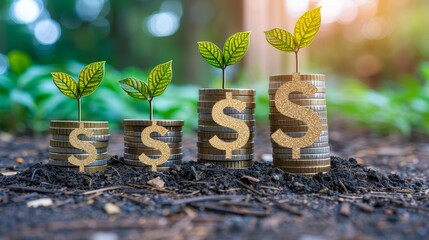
point(154, 156)
point(279, 116)
point(214, 98)
point(304, 102)
point(73, 150)
point(296, 95)
point(295, 129)
point(300, 134)
point(250, 123)
point(141, 128)
point(213, 157)
point(304, 150)
point(237, 116)
point(314, 145)
point(65, 156)
point(153, 135)
point(301, 163)
point(206, 144)
point(235, 92)
point(139, 150)
point(141, 145)
point(67, 144)
point(301, 156)
point(273, 87)
point(292, 122)
point(220, 129)
point(313, 107)
point(227, 111)
point(229, 164)
point(67, 131)
point(97, 138)
point(164, 123)
point(76, 124)
point(100, 162)
point(221, 135)
point(315, 170)
point(150, 151)
point(215, 151)
point(303, 77)
point(210, 104)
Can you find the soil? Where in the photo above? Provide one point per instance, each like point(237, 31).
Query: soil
point(382, 192)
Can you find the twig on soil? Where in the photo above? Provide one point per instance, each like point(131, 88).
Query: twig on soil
point(250, 188)
point(30, 189)
point(343, 187)
point(136, 200)
point(239, 211)
point(204, 198)
point(104, 189)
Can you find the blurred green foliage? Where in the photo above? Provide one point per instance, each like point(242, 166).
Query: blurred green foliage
point(398, 106)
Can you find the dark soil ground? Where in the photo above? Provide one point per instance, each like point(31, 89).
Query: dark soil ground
point(378, 188)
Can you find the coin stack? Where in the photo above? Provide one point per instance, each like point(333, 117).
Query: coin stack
point(314, 158)
point(60, 148)
point(208, 128)
point(134, 146)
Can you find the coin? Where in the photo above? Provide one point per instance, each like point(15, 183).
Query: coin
point(250, 123)
point(154, 156)
point(204, 128)
point(314, 145)
point(302, 156)
point(76, 124)
point(65, 157)
point(273, 109)
point(73, 150)
point(139, 150)
point(227, 111)
point(301, 134)
point(302, 77)
point(215, 151)
point(221, 135)
point(279, 116)
point(137, 163)
point(230, 164)
point(90, 169)
point(150, 151)
point(303, 102)
point(294, 95)
point(237, 116)
point(67, 131)
point(304, 150)
point(67, 144)
point(206, 144)
point(288, 129)
point(216, 91)
point(220, 98)
point(164, 123)
point(291, 122)
point(141, 145)
point(154, 135)
point(210, 104)
point(141, 128)
point(62, 163)
point(301, 163)
point(317, 169)
point(98, 138)
point(223, 157)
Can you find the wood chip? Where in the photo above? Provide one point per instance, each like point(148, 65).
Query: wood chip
point(42, 202)
point(112, 209)
point(365, 207)
point(156, 182)
point(19, 160)
point(251, 179)
point(7, 174)
point(345, 209)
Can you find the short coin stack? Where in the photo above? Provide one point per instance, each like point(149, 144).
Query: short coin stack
point(314, 158)
point(60, 148)
point(208, 128)
point(134, 146)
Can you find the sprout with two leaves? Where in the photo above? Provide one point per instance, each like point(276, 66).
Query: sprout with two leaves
point(157, 82)
point(233, 51)
point(89, 79)
point(306, 29)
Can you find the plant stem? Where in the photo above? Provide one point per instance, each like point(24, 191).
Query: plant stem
point(223, 78)
point(150, 110)
point(296, 62)
point(79, 110)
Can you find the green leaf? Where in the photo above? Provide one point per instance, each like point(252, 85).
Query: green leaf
point(307, 27)
point(66, 84)
point(135, 88)
point(235, 47)
point(90, 77)
point(159, 78)
point(281, 39)
point(211, 53)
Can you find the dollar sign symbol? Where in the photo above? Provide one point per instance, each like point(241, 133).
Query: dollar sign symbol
point(293, 110)
point(224, 120)
point(150, 142)
point(87, 147)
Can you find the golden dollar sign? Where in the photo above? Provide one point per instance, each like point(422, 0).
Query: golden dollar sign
point(227, 121)
point(150, 142)
point(303, 114)
point(87, 147)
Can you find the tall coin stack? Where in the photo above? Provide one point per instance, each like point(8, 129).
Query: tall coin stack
point(60, 148)
point(314, 158)
point(134, 146)
point(208, 128)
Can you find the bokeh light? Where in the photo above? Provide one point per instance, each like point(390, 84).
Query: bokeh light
point(4, 64)
point(89, 10)
point(162, 24)
point(25, 11)
point(296, 8)
point(47, 32)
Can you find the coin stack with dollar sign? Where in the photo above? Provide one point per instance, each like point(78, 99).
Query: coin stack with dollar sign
point(137, 142)
point(313, 158)
point(61, 147)
point(226, 127)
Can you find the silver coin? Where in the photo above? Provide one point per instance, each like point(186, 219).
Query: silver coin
point(302, 77)
point(97, 138)
point(300, 134)
point(213, 157)
point(100, 162)
point(73, 150)
point(302, 156)
point(321, 139)
point(206, 144)
point(154, 135)
point(313, 107)
point(227, 111)
point(204, 128)
point(292, 122)
point(154, 156)
point(222, 92)
point(137, 163)
point(237, 116)
point(294, 95)
point(65, 157)
point(305, 150)
point(316, 83)
point(210, 104)
point(314, 145)
point(150, 151)
point(164, 123)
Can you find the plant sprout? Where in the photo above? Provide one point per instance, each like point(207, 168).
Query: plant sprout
point(234, 50)
point(306, 29)
point(157, 82)
point(89, 79)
